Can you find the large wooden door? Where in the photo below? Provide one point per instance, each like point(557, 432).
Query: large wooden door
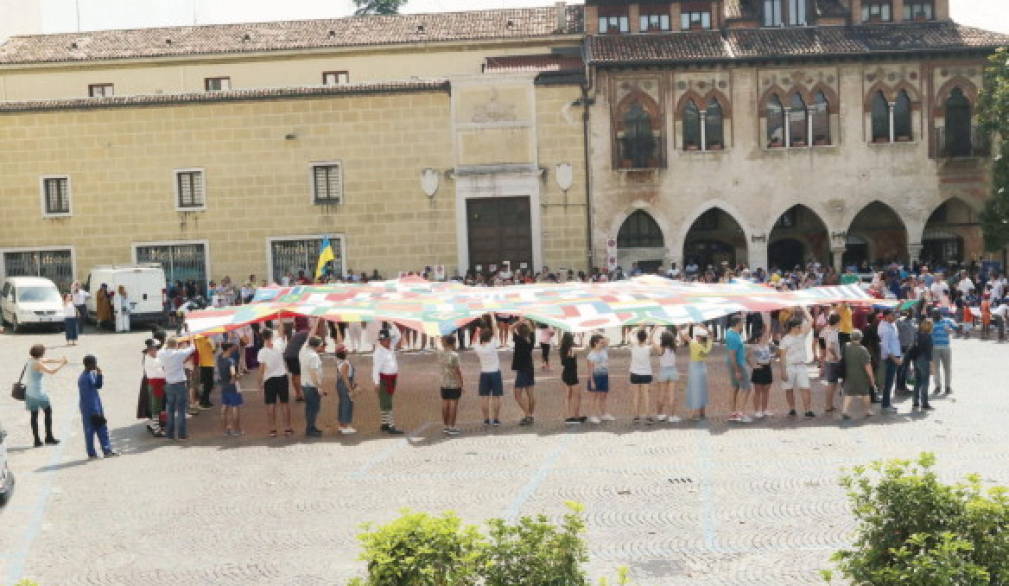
point(499, 230)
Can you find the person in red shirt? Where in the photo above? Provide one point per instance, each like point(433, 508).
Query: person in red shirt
point(985, 314)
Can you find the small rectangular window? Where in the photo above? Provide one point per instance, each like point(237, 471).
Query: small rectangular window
point(695, 20)
point(217, 84)
point(876, 11)
point(335, 77)
point(327, 183)
point(56, 195)
point(614, 24)
point(917, 10)
point(100, 90)
point(654, 22)
point(189, 190)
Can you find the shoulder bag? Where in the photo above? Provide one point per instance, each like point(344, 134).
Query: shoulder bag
point(18, 388)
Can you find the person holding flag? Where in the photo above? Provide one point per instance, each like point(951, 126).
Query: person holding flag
point(326, 255)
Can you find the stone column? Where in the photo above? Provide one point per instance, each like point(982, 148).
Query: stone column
point(838, 253)
point(757, 253)
point(914, 251)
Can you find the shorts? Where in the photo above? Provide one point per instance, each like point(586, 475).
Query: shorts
point(450, 394)
point(762, 375)
point(599, 382)
point(738, 382)
point(524, 378)
point(275, 389)
point(293, 366)
point(641, 379)
point(490, 384)
point(668, 374)
point(230, 397)
point(796, 376)
point(832, 371)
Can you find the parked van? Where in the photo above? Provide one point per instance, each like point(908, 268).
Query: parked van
point(145, 287)
point(31, 300)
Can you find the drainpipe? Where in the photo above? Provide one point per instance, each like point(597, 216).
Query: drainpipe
point(585, 102)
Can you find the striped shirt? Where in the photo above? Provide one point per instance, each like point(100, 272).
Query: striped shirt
point(940, 332)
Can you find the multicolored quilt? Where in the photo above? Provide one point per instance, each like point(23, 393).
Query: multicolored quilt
point(441, 308)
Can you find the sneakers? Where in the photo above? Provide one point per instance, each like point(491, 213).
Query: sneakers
point(758, 415)
point(573, 420)
point(347, 430)
point(673, 419)
point(486, 421)
point(451, 431)
point(608, 417)
point(51, 441)
point(110, 454)
point(595, 420)
point(527, 420)
point(636, 420)
point(660, 417)
point(792, 413)
point(735, 417)
point(392, 430)
point(846, 417)
point(810, 414)
point(745, 419)
point(495, 422)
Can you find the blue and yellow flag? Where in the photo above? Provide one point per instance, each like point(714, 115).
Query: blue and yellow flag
point(326, 254)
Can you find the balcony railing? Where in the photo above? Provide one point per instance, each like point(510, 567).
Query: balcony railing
point(977, 145)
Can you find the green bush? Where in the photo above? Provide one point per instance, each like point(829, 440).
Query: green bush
point(421, 550)
point(914, 529)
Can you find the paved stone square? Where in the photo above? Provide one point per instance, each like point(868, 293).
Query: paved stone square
point(707, 503)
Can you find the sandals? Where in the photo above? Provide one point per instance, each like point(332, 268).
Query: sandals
point(288, 431)
point(273, 433)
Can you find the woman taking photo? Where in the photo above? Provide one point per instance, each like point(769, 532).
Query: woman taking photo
point(35, 395)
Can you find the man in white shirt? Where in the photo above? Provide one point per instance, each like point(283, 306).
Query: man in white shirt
point(890, 354)
point(965, 286)
point(384, 372)
point(80, 298)
point(172, 358)
point(311, 383)
point(273, 381)
point(794, 373)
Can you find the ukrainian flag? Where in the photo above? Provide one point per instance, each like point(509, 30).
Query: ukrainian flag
point(326, 254)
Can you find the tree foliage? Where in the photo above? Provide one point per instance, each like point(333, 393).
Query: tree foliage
point(378, 6)
point(914, 529)
point(993, 110)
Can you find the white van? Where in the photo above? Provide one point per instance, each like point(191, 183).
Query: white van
point(145, 287)
point(31, 300)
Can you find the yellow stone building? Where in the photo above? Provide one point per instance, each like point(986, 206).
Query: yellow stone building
point(409, 141)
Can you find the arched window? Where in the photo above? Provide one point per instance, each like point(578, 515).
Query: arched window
point(880, 118)
point(638, 142)
point(713, 126)
point(775, 122)
point(639, 230)
point(797, 122)
point(902, 117)
point(691, 127)
point(821, 120)
point(958, 143)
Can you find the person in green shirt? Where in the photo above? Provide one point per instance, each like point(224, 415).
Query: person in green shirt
point(858, 375)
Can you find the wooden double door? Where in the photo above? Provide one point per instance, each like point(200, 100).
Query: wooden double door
point(499, 229)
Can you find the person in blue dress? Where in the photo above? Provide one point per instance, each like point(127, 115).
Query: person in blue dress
point(92, 414)
point(36, 398)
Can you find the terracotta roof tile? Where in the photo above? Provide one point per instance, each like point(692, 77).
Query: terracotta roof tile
point(226, 96)
point(289, 35)
point(542, 63)
point(782, 43)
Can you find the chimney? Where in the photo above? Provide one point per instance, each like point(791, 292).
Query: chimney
point(562, 17)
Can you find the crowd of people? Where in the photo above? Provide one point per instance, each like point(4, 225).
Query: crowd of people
point(859, 354)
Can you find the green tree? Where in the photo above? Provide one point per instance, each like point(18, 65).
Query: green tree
point(993, 111)
point(914, 529)
point(378, 6)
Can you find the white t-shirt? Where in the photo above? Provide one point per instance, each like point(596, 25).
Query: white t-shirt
point(80, 297)
point(487, 354)
point(831, 341)
point(153, 367)
point(69, 310)
point(794, 348)
point(641, 359)
point(272, 360)
point(600, 360)
point(545, 335)
point(667, 359)
point(311, 367)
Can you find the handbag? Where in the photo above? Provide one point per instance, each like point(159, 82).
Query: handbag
point(18, 388)
point(98, 420)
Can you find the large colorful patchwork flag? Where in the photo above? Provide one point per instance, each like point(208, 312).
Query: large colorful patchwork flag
point(441, 308)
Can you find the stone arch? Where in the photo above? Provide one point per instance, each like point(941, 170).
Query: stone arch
point(774, 90)
point(689, 221)
point(968, 88)
point(833, 103)
point(885, 230)
point(912, 93)
point(956, 235)
point(660, 220)
point(647, 102)
point(888, 94)
point(648, 152)
point(702, 102)
point(809, 229)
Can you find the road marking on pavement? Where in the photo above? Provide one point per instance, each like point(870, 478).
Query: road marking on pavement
point(16, 559)
point(388, 452)
point(512, 512)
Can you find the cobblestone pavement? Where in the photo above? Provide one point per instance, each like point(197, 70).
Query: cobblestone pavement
point(707, 503)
